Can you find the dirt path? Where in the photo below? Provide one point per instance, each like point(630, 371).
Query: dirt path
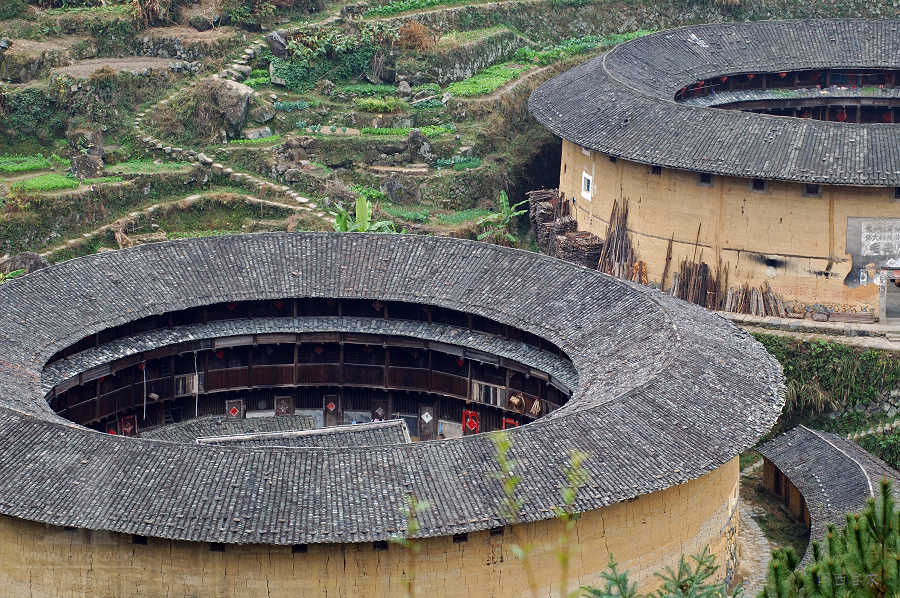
point(122, 222)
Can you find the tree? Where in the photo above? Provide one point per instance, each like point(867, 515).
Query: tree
point(688, 580)
point(499, 224)
point(361, 221)
point(859, 561)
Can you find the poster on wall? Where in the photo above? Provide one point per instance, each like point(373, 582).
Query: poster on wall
point(234, 408)
point(284, 406)
point(871, 241)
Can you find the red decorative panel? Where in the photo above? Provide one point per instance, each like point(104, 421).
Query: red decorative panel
point(509, 422)
point(471, 422)
point(234, 408)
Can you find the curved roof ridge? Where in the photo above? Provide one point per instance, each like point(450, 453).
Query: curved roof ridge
point(846, 454)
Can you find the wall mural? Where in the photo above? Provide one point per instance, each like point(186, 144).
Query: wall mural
point(872, 241)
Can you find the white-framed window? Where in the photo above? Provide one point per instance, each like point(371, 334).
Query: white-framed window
point(587, 182)
point(488, 394)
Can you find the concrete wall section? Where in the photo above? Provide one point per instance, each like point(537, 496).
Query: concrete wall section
point(644, 534)
point(796, 243)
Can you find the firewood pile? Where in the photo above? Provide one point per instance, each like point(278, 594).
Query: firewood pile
point(696, 282)
point(580, 247)
point(618, 256)
point(757, 301)
point(552, 222)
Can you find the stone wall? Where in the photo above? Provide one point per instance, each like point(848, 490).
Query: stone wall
point(645, 534)
point(549, 21)
point(796, 243)
point(455, 63)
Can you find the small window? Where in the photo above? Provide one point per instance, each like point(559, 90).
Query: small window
point(612, 159)
point(812, 191)
point(380, 545)
point(299, 548)
point(586, 182)
point(496, 531)
point(216, 547)
point(138, 539)
point(705, 179)
point(460, 538)
point(759, 185)
point(565, 168)
point(896, 192)
point(657, 170)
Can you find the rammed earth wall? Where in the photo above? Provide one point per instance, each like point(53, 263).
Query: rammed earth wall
point(548, 21)
point(645, 535)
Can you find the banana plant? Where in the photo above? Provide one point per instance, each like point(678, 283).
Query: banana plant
point(499, 224)
point(361, 221)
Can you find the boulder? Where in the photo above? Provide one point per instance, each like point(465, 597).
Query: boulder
point(200, 23)
point(274, 78)
point(401, 189)
point(5, 44)
point(233, 99)
point(277, 43)
point(404, 89)
point(418, 147)
point(87, 166)
point(258, 133)
point(27, 261)
point(262, 113)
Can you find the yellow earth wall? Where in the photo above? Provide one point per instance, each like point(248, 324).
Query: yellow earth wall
point(805, 237)
point(644, 534)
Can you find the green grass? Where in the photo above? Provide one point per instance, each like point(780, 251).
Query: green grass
point(257, 82)
point(47, 182)
point(380, 105)
point(14, 164)
point(103, 179)
point(145, 167)
point(454, 218)
point(112, 9)
point(367, 89)
point(487, 80)
point(574, 46)
point(260, 141)
point(421, 215)
point(397, 6)
point(429, 131)
point(459, 163)
point(456, 38)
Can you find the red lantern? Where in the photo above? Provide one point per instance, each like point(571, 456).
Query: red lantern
point(141, 366)
point(782, 75)
point(842, 115)
point(220, 354)
point(723, 79)
point(886, 117)
point(751, 75)
point(700, 83)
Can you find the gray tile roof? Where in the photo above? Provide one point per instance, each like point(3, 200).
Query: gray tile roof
point(354, 435)
point(666, 393)
point(558, 367)
point(219, 425)
point(834, 475)
point(622, 103)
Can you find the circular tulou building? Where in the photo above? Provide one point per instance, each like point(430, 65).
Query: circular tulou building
point(763, 153)
point(178, 419)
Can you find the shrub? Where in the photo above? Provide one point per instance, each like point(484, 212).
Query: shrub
point(380, 104)
point(260, 141)
point(103, 179)
point(370, 193)
point(487, 80)
point(47, 182)
point(12, 164)
point(416, 36)
point(11, 9)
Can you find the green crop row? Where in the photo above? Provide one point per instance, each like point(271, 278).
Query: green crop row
point(47, 182)
point(380, 105)
point(13, 164)
point(487, 80)
point(260, 141)
point(429, 131)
